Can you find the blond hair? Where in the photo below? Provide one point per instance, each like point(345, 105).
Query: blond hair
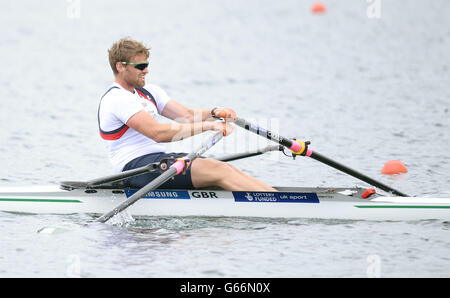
point(124, 50)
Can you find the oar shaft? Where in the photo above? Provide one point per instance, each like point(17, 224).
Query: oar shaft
point(242, 155)
point(317, 156)
point(140, 193)
point(263, 132)
point(124, 175)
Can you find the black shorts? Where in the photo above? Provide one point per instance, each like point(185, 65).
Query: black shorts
point(180, 181)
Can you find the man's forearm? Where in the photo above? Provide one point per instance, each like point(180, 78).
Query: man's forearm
point(202, 115)
point(178, 131)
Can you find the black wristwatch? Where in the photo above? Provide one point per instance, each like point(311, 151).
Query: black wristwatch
point(212, 112)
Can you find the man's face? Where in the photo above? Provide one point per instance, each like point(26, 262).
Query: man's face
point(133, 76)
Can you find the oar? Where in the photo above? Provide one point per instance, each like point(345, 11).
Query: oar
point(300, 148)
point(242, 155)
point(176, 168)
point(124, 175)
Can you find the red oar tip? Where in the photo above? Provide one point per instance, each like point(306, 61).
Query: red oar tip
point(393, 167)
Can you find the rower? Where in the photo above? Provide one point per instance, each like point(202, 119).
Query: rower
point(128, 116)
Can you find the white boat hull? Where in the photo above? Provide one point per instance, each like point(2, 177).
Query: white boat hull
point(290, 203)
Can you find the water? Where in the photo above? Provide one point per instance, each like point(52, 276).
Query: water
point(362, 90)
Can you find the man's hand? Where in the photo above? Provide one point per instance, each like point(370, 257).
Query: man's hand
point(225, 113)
point(226, 128)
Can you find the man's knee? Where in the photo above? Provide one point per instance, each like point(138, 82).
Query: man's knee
point(213, 168)
point(209, 165)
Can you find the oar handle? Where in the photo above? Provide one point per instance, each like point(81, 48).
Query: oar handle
point(300, 148)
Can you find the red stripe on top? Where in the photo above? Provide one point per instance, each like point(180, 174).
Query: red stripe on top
point(144, 96)
point(114, 136)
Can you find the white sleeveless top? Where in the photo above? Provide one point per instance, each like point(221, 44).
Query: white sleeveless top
point(117, 105)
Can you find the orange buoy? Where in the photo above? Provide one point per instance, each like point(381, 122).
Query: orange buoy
point(393, 167)
point(318, 7)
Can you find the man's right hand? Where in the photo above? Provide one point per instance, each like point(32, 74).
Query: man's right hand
point(225, 113)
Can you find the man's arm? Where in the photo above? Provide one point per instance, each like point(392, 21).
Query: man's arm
point(170, 132)
point(178, 112)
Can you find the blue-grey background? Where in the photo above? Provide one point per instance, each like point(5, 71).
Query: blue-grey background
point(363, 88)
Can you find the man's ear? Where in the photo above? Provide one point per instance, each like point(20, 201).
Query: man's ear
point(120, 67)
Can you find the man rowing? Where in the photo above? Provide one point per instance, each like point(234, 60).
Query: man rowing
point(128, 122)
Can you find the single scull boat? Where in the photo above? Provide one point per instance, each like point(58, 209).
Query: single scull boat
point(108, 196)
point(323, 203)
